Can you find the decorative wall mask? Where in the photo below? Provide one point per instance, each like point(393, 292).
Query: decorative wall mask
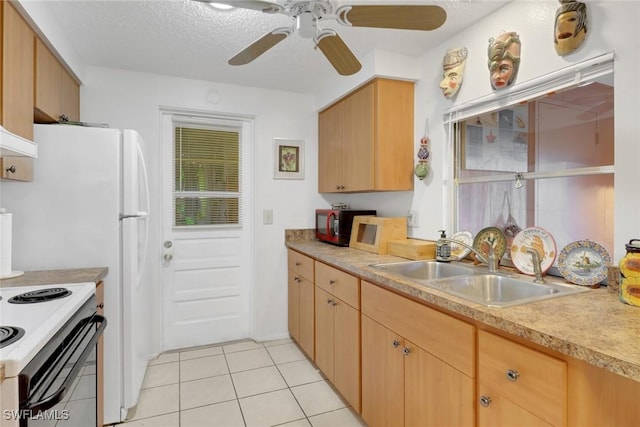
point(504, 59)
point(453, 65)
point(570, 27)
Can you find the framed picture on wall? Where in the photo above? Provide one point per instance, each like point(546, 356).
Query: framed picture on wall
point(289, 158)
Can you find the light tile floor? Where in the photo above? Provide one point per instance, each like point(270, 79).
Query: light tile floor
point(239, 384)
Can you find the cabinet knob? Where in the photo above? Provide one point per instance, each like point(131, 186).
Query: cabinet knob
point(332, 282)
point(329, 301)
point(485, 401)
point(513, 375)
point(297, 263)
point(406, 351)
point(297, 279)
point(11, 169)
point(395, 343)
point(101, 306)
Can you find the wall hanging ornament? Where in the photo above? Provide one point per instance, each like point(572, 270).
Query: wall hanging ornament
point(422, 168)
point(570, 27)
point(504, 59)
point(453, 65)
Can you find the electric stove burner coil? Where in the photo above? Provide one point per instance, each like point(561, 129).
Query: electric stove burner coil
point(9, 335)
point(40, 295)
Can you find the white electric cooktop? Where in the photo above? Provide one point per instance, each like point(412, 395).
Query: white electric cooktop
point(40, 320)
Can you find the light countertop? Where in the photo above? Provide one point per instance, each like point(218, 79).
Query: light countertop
point(56, 277)
point(592, 326)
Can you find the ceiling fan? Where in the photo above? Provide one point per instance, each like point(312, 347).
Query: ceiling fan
point(307, 14)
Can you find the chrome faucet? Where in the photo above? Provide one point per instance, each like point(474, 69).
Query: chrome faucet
point(491, 260)
point(537, 265)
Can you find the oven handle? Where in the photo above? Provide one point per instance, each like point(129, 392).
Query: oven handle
point(56, 397)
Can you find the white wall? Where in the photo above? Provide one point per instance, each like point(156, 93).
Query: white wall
point(132, 100)
point(125, 99)
point(533, 21)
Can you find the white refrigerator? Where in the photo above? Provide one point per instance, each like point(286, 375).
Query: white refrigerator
point(88, 206)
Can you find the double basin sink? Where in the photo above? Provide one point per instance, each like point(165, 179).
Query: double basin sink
point(476, 284)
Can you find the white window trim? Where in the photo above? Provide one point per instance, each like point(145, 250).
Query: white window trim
point(574, 75)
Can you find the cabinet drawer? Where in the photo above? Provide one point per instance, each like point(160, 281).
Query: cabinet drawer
point(449, 339)
point(527, 377)
point(338, 283)
point(301, 264)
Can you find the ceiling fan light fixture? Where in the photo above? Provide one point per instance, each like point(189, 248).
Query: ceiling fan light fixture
point(306, 25)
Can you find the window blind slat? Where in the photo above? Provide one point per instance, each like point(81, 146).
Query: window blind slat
point(207, 175)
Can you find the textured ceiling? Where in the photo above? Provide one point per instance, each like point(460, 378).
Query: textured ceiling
point(189, 39)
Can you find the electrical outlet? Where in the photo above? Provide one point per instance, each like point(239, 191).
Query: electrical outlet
point(412, 219)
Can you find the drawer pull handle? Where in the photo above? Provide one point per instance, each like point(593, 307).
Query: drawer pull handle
point(406, 351)
point(332, 282)
point(485, 401)
point(513, 375)
point(395, 343)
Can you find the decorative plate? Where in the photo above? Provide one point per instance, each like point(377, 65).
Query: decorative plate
point(490, 236)
point(458, 251)
point(584, 262)
point(536, 238)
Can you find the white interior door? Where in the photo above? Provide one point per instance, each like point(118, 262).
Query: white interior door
point(206, 267)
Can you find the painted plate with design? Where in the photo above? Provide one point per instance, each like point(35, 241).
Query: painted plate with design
point(584, 262)
point(490, 236)
point(458, 251)
point(538, 239)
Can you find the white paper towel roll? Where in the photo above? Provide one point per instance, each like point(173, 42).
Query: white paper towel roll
point(5, 243)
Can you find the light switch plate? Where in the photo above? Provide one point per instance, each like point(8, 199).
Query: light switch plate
point(267, 216)
point(412, 218)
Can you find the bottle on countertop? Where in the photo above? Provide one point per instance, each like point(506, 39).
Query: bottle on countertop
point(630, 273)
point(443, 248)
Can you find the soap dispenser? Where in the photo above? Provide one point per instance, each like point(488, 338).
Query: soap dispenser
point(443, 248)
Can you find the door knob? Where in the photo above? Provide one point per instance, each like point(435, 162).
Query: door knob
point(167, 257)
point(167, 244)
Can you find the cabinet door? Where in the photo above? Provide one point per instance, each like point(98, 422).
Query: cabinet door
point(329, 149)
point(436, 394)
point(358, 166)
point(347, 352)
point(514, 376)
point(306, 317)
point(17, 73)
point(70, 96)
point(394, 135)
point(382, 376)
point(47, 87)
point(502, 412)
point(293, 305)
point(324, 332)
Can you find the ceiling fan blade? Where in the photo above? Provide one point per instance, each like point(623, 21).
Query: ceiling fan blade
point(337, 52)
point(403, 17)
point(260, 46)
point(259, 5)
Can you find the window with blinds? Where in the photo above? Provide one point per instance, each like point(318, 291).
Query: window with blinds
point(206, 176)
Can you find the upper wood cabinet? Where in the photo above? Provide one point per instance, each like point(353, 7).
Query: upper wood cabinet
point(56, 92)
point(365, 140)
point(17, 72)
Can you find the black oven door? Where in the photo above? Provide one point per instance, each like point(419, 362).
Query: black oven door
point(58, 387)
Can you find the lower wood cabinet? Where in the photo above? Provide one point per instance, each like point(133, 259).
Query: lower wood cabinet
point(406, 384)
point(301, 301)
point(519, 385)
point(338, 331)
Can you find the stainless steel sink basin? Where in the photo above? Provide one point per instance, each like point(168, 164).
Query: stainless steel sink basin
point(502, 291)
point(425, 270)
point(475, 284)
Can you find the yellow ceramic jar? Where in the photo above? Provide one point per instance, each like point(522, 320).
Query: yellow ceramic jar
point(630, 271)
